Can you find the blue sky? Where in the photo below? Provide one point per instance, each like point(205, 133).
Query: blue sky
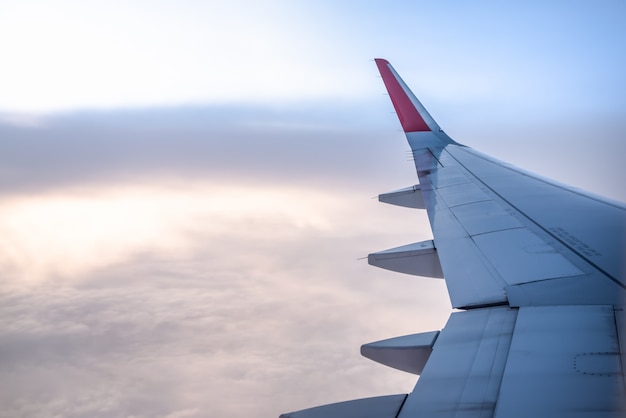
point(118, 54)
point(186, 186)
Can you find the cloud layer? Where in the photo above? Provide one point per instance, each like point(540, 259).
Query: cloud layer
point(202, 261)
point(158, 266)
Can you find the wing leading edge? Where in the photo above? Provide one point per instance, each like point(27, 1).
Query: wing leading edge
point(537, 269)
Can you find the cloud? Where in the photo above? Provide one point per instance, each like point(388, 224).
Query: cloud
point(169, 262)
point(240, 143)
point(69, 232)
point(251, 317)
point(201, 261)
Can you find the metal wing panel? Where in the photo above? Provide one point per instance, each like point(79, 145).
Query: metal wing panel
point(565, 291)
point(483, 217)
point(463, 374)
point(563, 362)
point(520, 256)
point(546, 361)
point(593, 229)
point(470, 279)
point(477, 230)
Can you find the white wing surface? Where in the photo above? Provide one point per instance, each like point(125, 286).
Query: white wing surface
point(538, 270)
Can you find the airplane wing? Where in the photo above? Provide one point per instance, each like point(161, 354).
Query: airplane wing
point(537, 270)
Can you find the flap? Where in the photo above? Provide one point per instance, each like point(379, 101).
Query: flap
point(462, 377)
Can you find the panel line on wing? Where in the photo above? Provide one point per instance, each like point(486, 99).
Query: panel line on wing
point(483, 217)
point(473, 344)
point(533, 222)
point(520, 256)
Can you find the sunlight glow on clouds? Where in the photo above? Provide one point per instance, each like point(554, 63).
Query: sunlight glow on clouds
point(170, 299)
point(69, 234)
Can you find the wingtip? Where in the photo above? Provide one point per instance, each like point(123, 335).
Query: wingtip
point(410, 116)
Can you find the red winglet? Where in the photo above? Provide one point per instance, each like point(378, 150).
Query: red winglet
point(410, 118)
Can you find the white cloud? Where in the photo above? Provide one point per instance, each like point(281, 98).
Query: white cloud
point(72, 232)
point(240, 302)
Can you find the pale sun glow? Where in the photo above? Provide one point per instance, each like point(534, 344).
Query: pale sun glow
point(69, 233)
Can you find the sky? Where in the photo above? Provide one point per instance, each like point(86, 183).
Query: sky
point(186, 188)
